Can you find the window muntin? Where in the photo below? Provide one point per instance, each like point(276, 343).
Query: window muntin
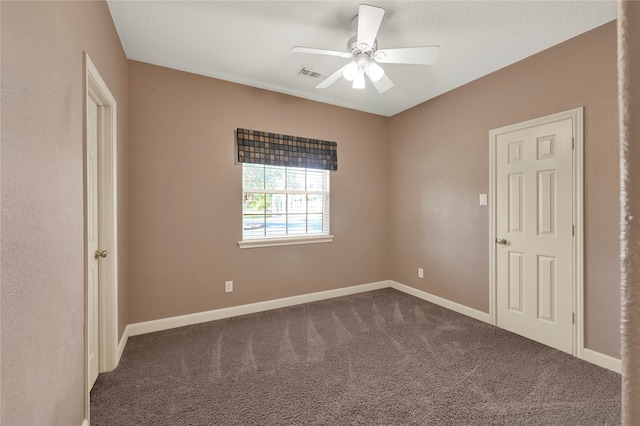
point(284, 202)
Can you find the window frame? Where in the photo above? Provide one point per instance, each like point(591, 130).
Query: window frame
point(281, 240)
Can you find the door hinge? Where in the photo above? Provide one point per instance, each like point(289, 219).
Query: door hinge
point(573, 143)
point(573, 230)
point(573, 318)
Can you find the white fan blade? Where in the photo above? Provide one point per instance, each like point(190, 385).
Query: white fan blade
point(331, 79)
point(299, 49)
point(369, 20)
point(381, 85)
point(424, 55)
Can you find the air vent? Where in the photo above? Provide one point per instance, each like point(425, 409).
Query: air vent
point(308, 72)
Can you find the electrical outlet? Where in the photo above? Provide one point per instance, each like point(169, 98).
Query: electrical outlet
point(228, 286)
point(482, 199)
point(420, 273)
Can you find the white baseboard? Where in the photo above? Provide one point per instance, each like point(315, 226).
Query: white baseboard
point(602, 360)
point(122, 344)
point(216, 314)
point(85, 422)
point(456, 307)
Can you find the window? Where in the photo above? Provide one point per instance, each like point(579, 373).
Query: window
point(284, 203)
point(285, 188)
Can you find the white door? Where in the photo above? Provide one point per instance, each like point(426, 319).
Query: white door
point(534, 229)
point(92, 240)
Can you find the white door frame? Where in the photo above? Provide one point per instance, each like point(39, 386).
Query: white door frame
point(576, 115)
point(95, 87)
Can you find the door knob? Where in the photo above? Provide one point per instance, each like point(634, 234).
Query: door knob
point(501, 241)
point(102, 253)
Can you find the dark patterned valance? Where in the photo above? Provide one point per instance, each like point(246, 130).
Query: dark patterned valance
point(281, 150)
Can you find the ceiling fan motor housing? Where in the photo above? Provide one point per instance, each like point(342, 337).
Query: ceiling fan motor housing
point(354, 49)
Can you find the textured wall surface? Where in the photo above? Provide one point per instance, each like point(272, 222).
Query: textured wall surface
point(185, 196)
point(42, 201)
point(438, 162)
point(629, 87)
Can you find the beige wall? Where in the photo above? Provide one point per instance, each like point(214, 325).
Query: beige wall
point(439, 154)
point(42, 202)
point(185, 196)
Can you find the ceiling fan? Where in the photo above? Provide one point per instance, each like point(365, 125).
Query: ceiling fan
point(365, 56)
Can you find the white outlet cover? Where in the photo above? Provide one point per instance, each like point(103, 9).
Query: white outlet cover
point(420, 273)
point(483, 199)
point(228, 286)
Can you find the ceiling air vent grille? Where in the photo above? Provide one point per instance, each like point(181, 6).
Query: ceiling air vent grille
point(308, 72)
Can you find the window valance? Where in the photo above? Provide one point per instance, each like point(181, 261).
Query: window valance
point(281, 150)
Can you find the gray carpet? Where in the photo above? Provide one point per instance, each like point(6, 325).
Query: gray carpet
point(377, 358)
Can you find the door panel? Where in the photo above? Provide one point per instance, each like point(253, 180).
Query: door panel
point(534, 214)
point(546, 202)
point(546, 288)
point(515, 281)
point(515, 204)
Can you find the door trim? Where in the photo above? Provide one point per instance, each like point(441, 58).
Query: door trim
point(96, 88)
point(576, 115)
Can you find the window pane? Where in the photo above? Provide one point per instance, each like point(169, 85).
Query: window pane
point(314, 224)
point(254, 203)
point(253, 176)
point(253, 226)
point(297, 224)
point(276, 203)
point(273, 215)
point(315, 180)
point(296, 179)
point(276, 225)
point(274, 177)
point(297, 203)
point(315, 203)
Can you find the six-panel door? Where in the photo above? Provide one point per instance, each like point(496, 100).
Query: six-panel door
point(535, 216)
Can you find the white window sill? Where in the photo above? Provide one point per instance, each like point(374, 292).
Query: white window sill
point(284, 241)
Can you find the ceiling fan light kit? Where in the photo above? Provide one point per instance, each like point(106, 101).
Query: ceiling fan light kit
point(356, 69)
point(374, 71)
point(365, 56)
point(350, 71)
point(358, 82)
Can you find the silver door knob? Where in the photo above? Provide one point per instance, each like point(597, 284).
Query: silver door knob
point(102, 253)
point(501, 241)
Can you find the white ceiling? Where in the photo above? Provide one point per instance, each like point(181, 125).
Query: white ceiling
point(249, 42)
